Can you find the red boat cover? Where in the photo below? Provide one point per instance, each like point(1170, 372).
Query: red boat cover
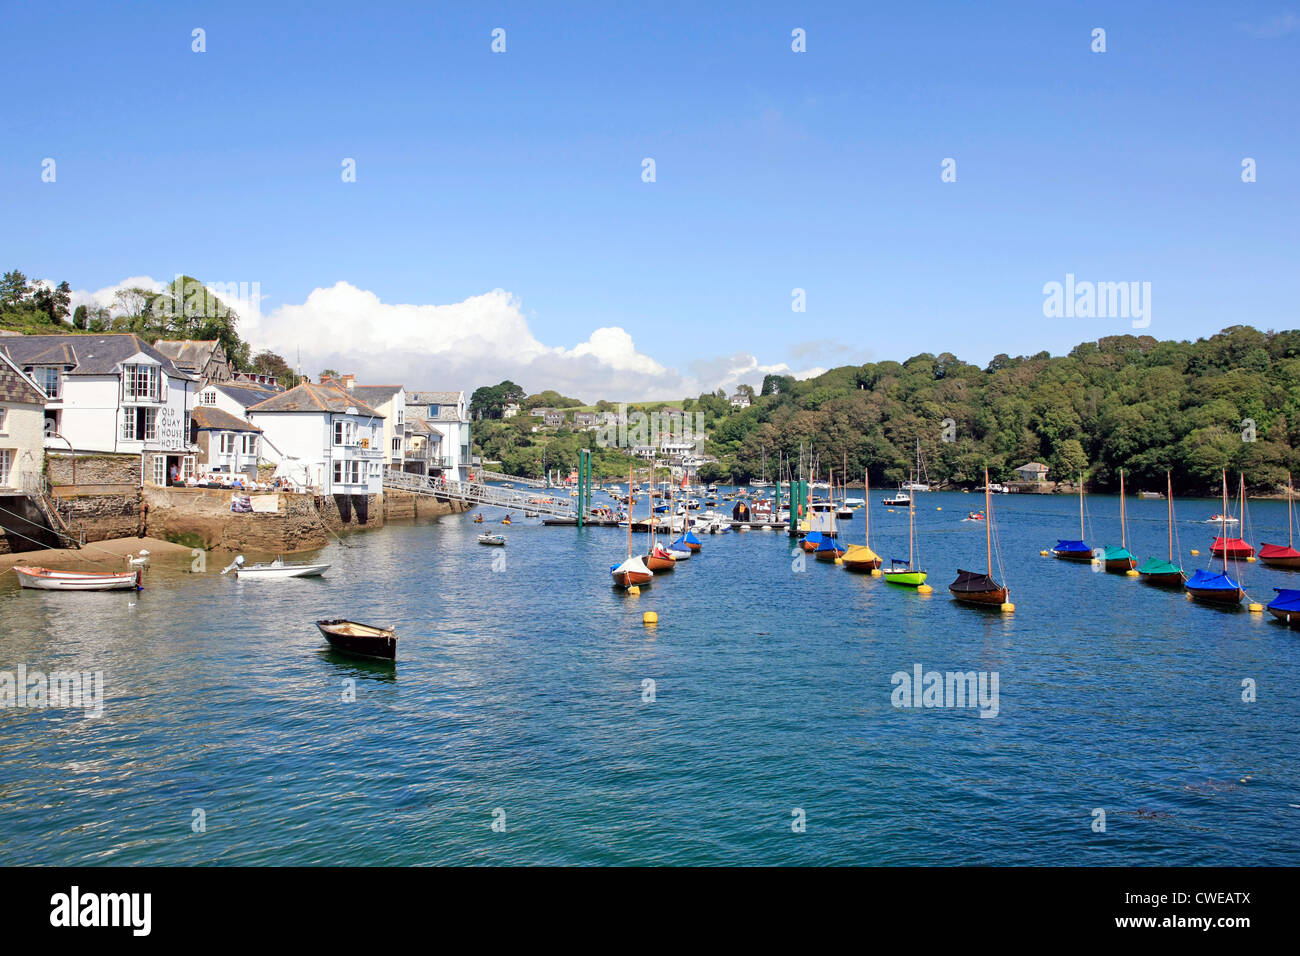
point(1278, 551)
point(1235, 547)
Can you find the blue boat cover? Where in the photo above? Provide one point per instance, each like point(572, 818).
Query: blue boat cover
point(814, 537)
point(687, 538)
point(1288, 599)
point(829, 544)
point(1064, 545)
point(1202, 580)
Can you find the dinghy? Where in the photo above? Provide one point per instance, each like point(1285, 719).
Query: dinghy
point(361, 640)
point(860, 557)
point(1276, 555)
point(971, 587)
point(44, 579)
point(1164, 572)
point(1120, 560)
point(1068, 549)
point(1286, 606)
point(495, 540)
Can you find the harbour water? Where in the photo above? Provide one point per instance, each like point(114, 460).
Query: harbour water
point(520, 697)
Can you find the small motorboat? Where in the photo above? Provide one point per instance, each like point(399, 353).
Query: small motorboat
point(360, 640)
point(44, 579)
point(495, 540)
point(276, 570)
point(974, 516)
point(1221, 519)
point(899, 500)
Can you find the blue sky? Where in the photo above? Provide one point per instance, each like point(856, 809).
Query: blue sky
point(775, 170)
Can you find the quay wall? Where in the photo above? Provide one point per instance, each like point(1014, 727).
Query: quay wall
point(103, 468)
point(404, 504)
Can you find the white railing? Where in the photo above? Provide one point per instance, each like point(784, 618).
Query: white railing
point(476, 493)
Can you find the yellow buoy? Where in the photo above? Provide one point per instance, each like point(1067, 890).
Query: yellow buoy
point(649, 618)
point(924, 589)
point(875, 572)
point(1256, 609)
point(940, 508)
point(839, 560)
point(1008, 607)
point(1251, 559)
point(1194, 551)
point(1131, 573)
point(634, 589)
point(1043, 553)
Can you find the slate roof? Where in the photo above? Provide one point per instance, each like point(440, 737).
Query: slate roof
point(88, 354)
point(188, 354)
point(309, 397)
point(374, 394)
point(433, 398)
point(208, 418)
point(246, 394)
point(15, 387)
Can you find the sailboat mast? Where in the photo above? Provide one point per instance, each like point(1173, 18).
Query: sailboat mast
point(1123, 530)
point(630, 473)
point(1223, 525)
point(1081, 535)
point(988, 521)
point(911, 532)
point(1169, 495)
point(866, 502)
point(652, 505)
point(1289, 495)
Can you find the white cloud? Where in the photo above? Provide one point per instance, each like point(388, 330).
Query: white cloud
point(479, 341)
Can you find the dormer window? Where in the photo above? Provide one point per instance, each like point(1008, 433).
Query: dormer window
point(141, 383)
point(46, 377)
point(209, 397)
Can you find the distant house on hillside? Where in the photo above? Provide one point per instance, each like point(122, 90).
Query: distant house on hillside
point(740, 400)
point(585, 419)
point(510, 410)
point(1033, 471)
point(540, 411)
point(554, 418)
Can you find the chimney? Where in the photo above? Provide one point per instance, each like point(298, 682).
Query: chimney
point(349, 381)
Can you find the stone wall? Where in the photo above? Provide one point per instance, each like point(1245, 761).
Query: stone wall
point(93, 469)
point(101, 516)
point(404, 505)
point(201, 517)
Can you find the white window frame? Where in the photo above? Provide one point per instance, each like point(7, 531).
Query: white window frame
point(188, 467)
point(226, 443)
point(209, 397)
point(338, 471)
point(6, 465)
point(4, 415)
point(160, 469)
point(128, 424)
point(250, 444)
point(141, 383)
point(151, 424)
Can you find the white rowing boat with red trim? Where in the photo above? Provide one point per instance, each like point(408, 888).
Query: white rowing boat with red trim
point(47, 580)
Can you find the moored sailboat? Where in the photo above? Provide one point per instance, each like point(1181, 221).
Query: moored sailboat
point(1120, 560)
point(632, 572)
point(1205, 585)
point(902, 572)
point(971, 587)
point(659, 558)
point(1164, 572)
point(1073, 550)
point(860, 557)
point(1224, 546)
point(1274, 555)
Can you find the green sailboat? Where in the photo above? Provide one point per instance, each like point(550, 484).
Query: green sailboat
point(1155, 570)
point(904, 573)
point(1120, 560)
